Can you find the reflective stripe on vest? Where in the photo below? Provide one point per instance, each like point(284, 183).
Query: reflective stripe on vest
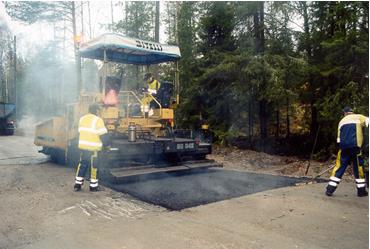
point(95, 131)
point(94, 144)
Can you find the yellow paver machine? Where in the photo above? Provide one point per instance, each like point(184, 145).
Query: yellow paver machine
point(143, 138)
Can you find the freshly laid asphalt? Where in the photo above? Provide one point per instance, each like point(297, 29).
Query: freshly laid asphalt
point(176, 191)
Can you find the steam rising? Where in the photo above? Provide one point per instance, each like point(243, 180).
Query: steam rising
point(5, 21)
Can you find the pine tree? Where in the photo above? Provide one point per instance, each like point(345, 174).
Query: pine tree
point(138, 20)
point(217, 67)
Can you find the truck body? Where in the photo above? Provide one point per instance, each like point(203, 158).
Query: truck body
point(7, 123)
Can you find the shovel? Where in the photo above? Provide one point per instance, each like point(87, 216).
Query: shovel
point(313, 180)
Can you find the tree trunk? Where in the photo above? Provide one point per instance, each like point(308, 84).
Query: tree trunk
point(74, 27)
point(88, 9)
point(111, 12)
point(156, 38)
point(2, 76)
point(277, 123)
point(332, 26)
point(263, 118)
point(77, 57)
point(287, 118)
point(314, 122)
point(262, 26)
point(175, 21)
point(306, 30)
point(126, 17)
point(138, 84)
point(256, 31)
point(261, 47)
point(15, 73)
point(286, 86)
point(82, 21)
point(250, 119)
point(365, 17)
point(157, 13)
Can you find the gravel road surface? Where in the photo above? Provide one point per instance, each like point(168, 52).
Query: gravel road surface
point(40, 210)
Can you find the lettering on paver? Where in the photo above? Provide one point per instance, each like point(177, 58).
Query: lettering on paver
point(148, 45)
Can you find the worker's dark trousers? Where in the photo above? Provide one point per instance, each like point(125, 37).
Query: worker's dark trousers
point(88, 159)
point(344, 158)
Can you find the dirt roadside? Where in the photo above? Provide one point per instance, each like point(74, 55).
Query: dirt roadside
point(40, 210)
point(234, 158)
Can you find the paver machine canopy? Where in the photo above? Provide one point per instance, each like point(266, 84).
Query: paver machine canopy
point(121, 49)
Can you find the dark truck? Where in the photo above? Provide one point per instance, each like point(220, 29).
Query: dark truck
point(7, 113)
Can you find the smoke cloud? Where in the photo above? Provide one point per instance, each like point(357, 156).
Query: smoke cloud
point(5, 20)
point(48, 83)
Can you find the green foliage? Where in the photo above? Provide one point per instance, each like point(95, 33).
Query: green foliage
point(339, 61)
point(305, 75)
point(170, 21)
point(212, 87)
point(34, 11)
point(216, 27)
point(224, 137)
point(138, 21)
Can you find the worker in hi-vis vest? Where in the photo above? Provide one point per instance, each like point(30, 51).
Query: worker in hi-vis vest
point(152, 91)
point(153, 84)
point(93, 135)
point(350, 140)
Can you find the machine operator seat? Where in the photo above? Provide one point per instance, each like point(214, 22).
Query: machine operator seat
point(163, 95)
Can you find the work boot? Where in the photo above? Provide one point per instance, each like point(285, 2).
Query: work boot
point(330, 190)
point(77, 187)
point(361, 192)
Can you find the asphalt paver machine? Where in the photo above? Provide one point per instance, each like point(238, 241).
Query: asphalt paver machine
point(143, 139)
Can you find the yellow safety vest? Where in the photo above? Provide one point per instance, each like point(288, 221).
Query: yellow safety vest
point(154, 85)
point(91, 127)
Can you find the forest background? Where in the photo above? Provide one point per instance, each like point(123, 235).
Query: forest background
point(268, 76)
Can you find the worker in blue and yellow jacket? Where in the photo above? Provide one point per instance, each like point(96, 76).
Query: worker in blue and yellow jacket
point(92, 135)
point(350, 139)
